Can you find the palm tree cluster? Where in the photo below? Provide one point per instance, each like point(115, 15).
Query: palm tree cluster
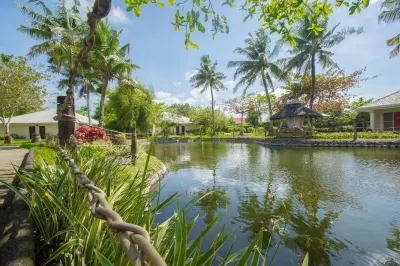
point(61, 33)
point(260, 63)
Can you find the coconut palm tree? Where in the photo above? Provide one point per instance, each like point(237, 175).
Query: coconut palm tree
point(109, 59)
point(311, 45)
point(207, 77)
point(60, 33)
point(258, 64)
point(391, 14)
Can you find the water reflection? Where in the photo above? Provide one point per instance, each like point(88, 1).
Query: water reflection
point(339, 204)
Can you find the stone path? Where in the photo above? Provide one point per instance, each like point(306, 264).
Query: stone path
point(8, 157)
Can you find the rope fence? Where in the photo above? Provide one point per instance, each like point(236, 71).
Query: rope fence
point(134, 239)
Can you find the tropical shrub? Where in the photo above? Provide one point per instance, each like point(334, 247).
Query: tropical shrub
point(90, 134)
point(361, 135)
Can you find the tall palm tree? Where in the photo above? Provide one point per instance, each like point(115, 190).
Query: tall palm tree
point(60, 33)
point(258, 64)
point(207, 77)
point(311, 45)
point(109, 59)
point(391, 14)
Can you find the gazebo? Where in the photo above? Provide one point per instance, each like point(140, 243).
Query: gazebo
point(294, 113)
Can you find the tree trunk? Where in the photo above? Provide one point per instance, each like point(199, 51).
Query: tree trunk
point(8, 138)
point(312, 80)
point(88, 104)
point(133, 146)
point(212, 110)
point(241, 125)
point(102, 100)
point(355, 130)
point(271, 126)
point(312, 86)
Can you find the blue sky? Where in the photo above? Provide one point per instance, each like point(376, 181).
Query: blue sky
point(166, 65)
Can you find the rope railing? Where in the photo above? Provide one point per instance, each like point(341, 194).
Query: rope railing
point(135, 239)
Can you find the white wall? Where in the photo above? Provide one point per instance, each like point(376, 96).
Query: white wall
point(376, 118)
point(23, 129)
point(172, 130)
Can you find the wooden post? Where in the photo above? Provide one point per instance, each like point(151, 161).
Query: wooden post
point(133, 145)
point(66, 120)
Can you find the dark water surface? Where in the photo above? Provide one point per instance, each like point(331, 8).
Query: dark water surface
point(342, 205)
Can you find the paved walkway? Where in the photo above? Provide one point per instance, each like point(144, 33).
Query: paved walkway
point(8, 157)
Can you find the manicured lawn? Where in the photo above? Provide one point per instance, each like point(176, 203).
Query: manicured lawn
point(15, 142)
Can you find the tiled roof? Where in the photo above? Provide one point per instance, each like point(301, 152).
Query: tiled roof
point(175, 118)
point(387, 101)
point(47, 116)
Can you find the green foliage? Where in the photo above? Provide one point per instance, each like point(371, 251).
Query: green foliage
point(179, 109)
point(207, 78)
point(277, 16)
point(203, 117)
point(361, 135)
point(22, 88)
point(82, 111)
point(391, 14)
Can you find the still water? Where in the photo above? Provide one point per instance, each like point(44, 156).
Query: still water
point(342, 206)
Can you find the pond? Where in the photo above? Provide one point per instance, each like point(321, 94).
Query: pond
point(342, 206)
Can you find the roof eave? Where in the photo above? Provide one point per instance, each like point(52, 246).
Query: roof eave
point(379, 107)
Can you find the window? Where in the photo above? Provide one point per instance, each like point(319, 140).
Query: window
point(391, 121)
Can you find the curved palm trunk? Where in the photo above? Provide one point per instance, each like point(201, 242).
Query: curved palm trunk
point(102, 100)
point(212, 110)
point(271, 126)
point(88, 103)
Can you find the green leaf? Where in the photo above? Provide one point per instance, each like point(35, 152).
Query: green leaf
point(102, 259)
point(63, 250)
point(197, 2)
point(246, 255)
point(194, 45)
point(365, 3)
point(305, 261)
point(91, 240)
point(201, 27)
point(137, 11)
point(171, 2)
point(176, 28)
point(161, 4)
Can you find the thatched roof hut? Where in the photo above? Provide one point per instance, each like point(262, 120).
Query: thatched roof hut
point(294, 114)
point(295, 109)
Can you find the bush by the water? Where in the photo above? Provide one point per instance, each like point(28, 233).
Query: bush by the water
point(360, 135)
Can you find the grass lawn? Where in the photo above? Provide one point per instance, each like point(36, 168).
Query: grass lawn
point(15, 142)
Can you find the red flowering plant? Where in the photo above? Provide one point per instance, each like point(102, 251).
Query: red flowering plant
point(89, 134)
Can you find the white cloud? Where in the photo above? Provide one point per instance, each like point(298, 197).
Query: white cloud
point(117, 15)
point(168, 98)
point(202, 97)
point(374, 2)
point(176, 83)
point(190, 74)
point(279, 91)
point(229, 84)
point(161, 95)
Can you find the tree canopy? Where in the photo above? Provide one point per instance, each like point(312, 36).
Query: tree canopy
point(22, 88)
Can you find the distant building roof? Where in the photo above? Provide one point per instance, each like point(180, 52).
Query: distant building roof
point(174, 118)
point(47, 116)
point(391, 100)
point(295, 109)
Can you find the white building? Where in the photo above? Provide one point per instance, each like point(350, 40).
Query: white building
point(182, 124)
point(384, 113)
point(41, 122)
